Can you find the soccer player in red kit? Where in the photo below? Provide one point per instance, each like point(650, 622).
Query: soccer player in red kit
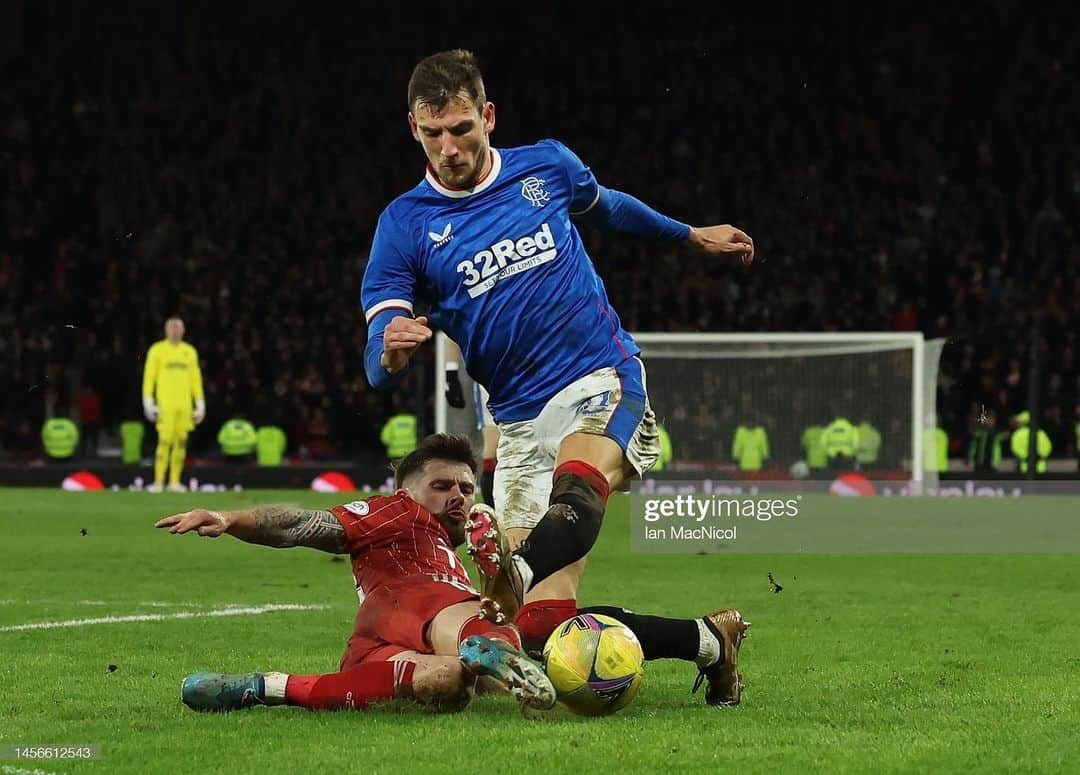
point(417, 634)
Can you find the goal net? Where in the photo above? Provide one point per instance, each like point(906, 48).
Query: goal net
point(703, 387)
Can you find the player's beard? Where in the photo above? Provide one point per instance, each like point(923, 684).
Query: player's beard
point(466, 176)
point(455, 528)
point(458, 177)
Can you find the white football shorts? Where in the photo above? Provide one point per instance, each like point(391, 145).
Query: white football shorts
point(611, 402)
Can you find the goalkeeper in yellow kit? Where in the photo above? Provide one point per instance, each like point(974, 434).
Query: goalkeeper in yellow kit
point(173, 399)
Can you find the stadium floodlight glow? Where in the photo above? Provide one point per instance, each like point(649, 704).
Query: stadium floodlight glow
point(703, 385)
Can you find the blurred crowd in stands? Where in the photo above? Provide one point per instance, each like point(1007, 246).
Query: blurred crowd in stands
point(898, 169)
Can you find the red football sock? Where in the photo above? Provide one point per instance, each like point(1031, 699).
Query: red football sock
point(591, 474)
point(354, 688)
point(537, 620)
point(474, 625)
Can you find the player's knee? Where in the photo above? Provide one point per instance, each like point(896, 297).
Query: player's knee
point(444, 686)
point(476, 625)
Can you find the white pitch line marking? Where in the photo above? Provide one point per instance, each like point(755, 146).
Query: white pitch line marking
point(9, 770)
point(140, 603)
point(148, 603)
point(232, 611)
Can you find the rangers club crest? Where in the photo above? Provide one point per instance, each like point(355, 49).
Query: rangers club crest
point(532, 188)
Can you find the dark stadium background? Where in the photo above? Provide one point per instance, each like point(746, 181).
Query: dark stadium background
point(900, 168)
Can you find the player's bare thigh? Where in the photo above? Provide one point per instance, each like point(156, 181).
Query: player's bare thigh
point(602, 453)
point(443, 630)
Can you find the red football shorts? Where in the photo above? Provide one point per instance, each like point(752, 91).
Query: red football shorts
point(395, 618)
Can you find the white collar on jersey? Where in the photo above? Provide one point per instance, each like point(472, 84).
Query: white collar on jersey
point(458, 193)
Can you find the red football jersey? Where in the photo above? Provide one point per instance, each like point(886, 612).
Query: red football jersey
point(394, 538)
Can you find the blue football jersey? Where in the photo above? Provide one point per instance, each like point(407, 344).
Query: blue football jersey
point(504, 273)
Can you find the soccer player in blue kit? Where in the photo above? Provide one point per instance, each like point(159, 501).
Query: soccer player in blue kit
point(488, 242)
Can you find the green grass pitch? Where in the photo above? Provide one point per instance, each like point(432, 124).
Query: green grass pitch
point(885, 663)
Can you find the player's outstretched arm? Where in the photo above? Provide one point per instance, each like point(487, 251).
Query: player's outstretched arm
point(616, 211)
point(278, 526)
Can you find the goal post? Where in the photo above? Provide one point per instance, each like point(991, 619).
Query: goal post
point(463, 421)
point(702, 386)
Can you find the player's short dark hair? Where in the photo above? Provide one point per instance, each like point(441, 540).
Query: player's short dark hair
point(437, 446)
point(441, 77)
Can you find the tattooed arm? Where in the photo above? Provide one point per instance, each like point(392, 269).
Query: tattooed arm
point(279, 526)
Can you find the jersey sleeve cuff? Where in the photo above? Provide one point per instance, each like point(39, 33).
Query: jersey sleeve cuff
point(592, 204)
point(382, 306)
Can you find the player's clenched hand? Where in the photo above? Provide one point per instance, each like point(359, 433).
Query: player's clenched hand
point(401, 338)
point(721, 240)
point(205, 523)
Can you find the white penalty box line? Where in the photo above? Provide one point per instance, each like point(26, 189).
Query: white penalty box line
point(216, 612)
